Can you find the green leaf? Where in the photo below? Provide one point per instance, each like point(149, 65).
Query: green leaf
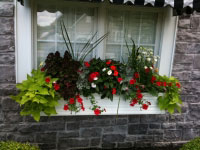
point(36, 115)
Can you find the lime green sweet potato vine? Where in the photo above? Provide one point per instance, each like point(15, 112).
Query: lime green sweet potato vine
point(37, 94)
point(171, 98)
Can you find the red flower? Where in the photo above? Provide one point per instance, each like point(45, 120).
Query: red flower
point(97, 74)
point(145, 106)
point(153, 78)
point(108, 62)
point(169, 84)
point(138, 91)
point(80, 71)
point(147, 70)
point(114, 91)
point(87, 64)
point(93, 75)
point(80, 100)
point(136, 86)
point(83, 108)
point(139, 96)
point(119, 80)
point(158, 83)
point(47, 80)
point(178, 85)
point(42, 69)
point(115, 73)
point(134, 101)
point(112, 67)
point(136, 75)
point(56, 86)
point(66, 107)
point(97, 112)
point(71, 100)
point(164, 83)
point(149, 103)
point(132, 81)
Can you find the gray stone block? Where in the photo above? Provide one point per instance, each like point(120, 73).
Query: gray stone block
point(111, 138)
point(7, 25)
point(137, 129)
point(91, 132)
point(6, 10)
point(7, 43)
point(72, 143)
point(46, 137)
point(172, 135)
point(95, 142)
point(70, 134)
point(7, 58)
point(7, 74)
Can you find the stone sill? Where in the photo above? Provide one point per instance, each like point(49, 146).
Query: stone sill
point(111, 107)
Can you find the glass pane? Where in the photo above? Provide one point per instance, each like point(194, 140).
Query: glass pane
point(80, 25)
point(139, 26)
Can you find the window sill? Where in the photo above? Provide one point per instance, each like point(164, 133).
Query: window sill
point(111, 107)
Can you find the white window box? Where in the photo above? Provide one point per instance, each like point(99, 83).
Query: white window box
point(111, 107)
point(25, 47)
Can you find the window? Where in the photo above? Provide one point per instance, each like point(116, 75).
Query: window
point(38, 33)
point(82, 22)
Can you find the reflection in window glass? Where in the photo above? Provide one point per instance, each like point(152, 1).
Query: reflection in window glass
point(80, 25)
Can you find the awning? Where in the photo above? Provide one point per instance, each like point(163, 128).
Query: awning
point(179, 6)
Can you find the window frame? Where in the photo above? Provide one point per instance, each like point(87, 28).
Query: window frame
point(25, 45)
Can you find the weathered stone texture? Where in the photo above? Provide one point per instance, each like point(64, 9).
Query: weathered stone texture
point(106, 132)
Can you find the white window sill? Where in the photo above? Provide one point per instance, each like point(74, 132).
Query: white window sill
point(111, 107)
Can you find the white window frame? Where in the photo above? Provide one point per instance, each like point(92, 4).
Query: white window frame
point(24, 41)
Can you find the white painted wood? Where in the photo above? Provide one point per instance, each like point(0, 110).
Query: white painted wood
point(168, 42)
point(23, 40)
point(111, 107)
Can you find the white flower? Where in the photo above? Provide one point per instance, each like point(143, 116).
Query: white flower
point(155, 60)
point(104, 69)
point(151, 68)
point(144, 53)
point(139, 57)
point(42, 63)
point(151, 53)
point(109, 72)
point(93, 85)
point(95, 78)
point(145, 67)
point(148, 59)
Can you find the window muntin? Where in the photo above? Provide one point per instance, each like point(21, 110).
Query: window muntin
point(80, 26)
point(82, 22)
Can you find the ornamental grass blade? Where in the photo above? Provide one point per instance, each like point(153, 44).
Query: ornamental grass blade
point(70, 44)
point(88, 43)
point(65, 39)
point(96, 43)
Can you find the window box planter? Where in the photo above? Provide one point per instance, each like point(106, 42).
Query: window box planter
point(111, 107)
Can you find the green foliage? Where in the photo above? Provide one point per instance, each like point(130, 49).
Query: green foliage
point(10, 145)
point(105, 83)
point(36, 95)
point(65, 69)
point(171, 98)
point(192, 145)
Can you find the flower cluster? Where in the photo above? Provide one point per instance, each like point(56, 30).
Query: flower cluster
point(73, 102)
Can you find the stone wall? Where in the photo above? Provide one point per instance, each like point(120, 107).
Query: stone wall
point(57, 133)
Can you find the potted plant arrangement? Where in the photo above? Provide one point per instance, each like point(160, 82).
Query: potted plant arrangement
point(72, 79)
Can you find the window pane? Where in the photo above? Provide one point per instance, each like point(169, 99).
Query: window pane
point(139, 26)
point(80, 24)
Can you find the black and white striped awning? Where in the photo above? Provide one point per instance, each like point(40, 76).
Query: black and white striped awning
point(179, 6)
